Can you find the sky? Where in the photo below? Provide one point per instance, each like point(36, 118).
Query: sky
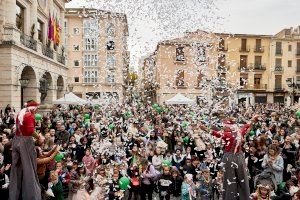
point(151, 21)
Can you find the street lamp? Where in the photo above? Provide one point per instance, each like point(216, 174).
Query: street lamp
point(24, 83)
point(294, 86)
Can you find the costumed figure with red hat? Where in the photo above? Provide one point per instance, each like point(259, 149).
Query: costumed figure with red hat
point(24, 182)
point(235, 183)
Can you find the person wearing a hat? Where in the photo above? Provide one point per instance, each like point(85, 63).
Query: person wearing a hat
point(236, 183)
point(24, 179)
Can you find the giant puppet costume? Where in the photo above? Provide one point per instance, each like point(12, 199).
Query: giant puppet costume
point(236, 183)
point(24, 182)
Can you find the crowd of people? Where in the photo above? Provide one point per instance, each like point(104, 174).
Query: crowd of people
point(144, 151)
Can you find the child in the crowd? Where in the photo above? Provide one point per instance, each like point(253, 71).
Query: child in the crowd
point(133, 173)
point(262, 193)
point(56, 187)
point(188, 188)
point(206, 185)
point(114, 189)
point(164, 184)
point(176, 183)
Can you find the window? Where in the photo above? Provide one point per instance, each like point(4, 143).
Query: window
point(90, 60)
point(298, 65)
point(244, 45)
point(111, 61)
point(278, 48)
point(91, 28)
point(110, 45)
point(40, 31)
point(298, 48)
point(76, 63)
point(20, 17)
point(180, 78)
point(110, 78)
point(258, 44)
point(257, 81)
point(289, 63)
point(199, 78)
point(76, 79)
point(201, 57)
point(90, 44)
point(180, 54)
point(278, 62)
point(243, 61)
point(91, 76)
point(290, 47)
point(76, 31)
point(243, 80)
point(110, 30)
point(221, 60)
point(76, 47)
point(221, 44)
point(257, 62)
point(278, 80)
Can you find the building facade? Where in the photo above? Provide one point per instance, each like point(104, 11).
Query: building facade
point(261, 68)
point(98, 56)
point(32, 51)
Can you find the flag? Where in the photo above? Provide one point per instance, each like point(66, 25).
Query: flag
point(58, 28)
point(54, 31)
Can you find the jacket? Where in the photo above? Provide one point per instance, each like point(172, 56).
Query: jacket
point(276, 168)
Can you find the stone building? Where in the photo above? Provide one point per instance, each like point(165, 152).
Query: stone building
point(32, 66)
point(261, 68)
point(98, 58)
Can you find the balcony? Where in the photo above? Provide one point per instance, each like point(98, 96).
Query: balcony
point(298, 70)
point(180, 59)
point(258, 66)
point(28, 42)
point(260, 87)
point(243, 68)
point(61, 59)
point(298, 53)
point(222, 48)
point(47, 51)
point(259, 49)
point(278, 89)
point(222, 69)
point(278, 52)
point(245, 49)
point(278, 69)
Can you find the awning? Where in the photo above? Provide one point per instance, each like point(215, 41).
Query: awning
point(179, 99)
point(70, 99)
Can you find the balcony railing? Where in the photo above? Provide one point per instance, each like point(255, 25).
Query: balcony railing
point(47, 51)
point(260, 87)
point(278, 88)
point(222, 48)
point(298, 53)
point(61, 59)
point(223, 68)
point(28, 42)
point(259, 49)
point(278, 52)
point(243, 68)
point(298, 70)
point(259, 66)
point(245, 49)
point(278, 69)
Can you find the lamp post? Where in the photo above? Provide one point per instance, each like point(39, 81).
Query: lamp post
point(24, 83)
point(291, 83)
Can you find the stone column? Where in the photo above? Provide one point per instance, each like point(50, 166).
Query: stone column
point(10, 12)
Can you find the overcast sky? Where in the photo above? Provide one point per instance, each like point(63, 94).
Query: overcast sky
point(151, 21)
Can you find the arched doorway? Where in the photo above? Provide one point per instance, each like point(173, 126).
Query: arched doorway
point(28, 85)
point(60, 87)
point(46, 88)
